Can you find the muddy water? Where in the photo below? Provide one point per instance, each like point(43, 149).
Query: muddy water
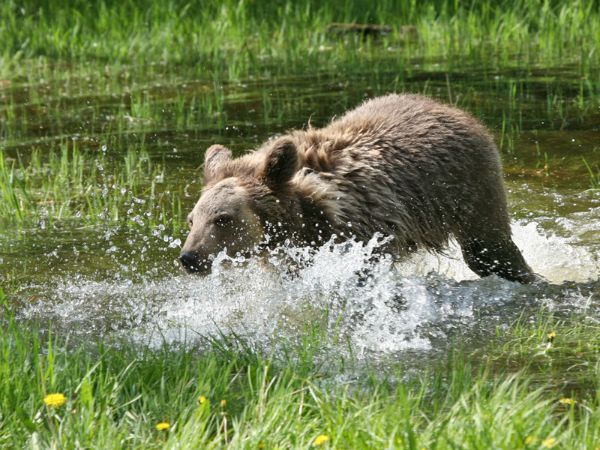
point(122, 279)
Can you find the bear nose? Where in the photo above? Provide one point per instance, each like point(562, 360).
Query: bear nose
point(189, 260)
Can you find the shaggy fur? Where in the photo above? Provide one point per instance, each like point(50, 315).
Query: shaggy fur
point(401, 165)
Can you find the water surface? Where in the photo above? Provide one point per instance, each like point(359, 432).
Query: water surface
point(109, 278)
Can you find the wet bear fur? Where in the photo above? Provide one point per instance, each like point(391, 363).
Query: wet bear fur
point(404, 166)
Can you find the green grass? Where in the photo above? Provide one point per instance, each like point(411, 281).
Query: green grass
point(85, 188)
point(233, 37)
point(105, 108)
point(118, 392)
point(594, 175)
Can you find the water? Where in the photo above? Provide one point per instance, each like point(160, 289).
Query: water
point(121, 279)
point(420, 304)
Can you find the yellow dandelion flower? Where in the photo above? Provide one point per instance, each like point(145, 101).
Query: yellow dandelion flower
point(529, 440)
point(202, 399)
point(55, 400)
point(223, 403)
point(261, 446)
point(163, 426)
point(320, 440)
point(567, 401)
point(551, 336)
point(549, 443)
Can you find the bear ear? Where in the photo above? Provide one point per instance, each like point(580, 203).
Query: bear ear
point(214, 157)
point(281, 163)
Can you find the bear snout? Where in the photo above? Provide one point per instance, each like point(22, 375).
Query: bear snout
point(192, 263)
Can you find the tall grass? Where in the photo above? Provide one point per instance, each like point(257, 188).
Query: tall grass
point(234, 37)
point(70, 184)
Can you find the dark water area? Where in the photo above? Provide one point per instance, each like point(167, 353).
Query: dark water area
point(120, 277)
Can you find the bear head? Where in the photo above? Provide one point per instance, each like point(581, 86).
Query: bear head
point(241, 201)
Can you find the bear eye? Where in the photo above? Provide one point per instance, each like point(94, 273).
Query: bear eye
point(223, 220)
point(190, 222)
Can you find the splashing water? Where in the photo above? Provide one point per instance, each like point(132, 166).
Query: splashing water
point(416, 305)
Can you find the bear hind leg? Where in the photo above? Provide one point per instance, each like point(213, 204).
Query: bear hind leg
point(498, 256)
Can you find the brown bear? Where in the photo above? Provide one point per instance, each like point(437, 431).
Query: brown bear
point(403, 166)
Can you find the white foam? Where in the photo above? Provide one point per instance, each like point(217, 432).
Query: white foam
point(554, 257)
point(408, 307)
point(557, 258)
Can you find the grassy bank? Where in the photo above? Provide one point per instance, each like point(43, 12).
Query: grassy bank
point(237, 38)
point(182, 31)
point(224, 394)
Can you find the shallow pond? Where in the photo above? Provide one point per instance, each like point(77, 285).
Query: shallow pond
point(119, 276)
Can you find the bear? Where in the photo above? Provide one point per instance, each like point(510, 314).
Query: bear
point(401, 165)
